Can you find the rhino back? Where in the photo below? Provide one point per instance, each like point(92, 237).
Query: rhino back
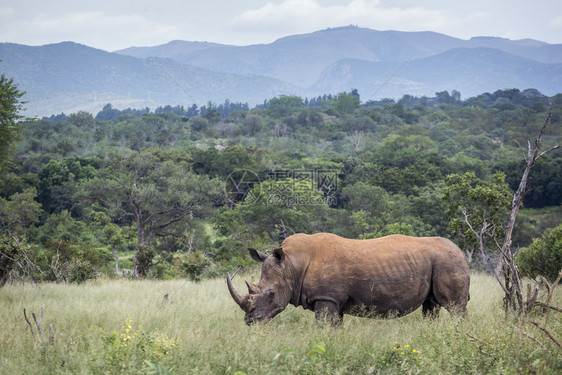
point(387, 274)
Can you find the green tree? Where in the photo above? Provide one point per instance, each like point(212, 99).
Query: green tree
point(345, 104)
point(61, 226)
point(427, 205)
point(397, 180)
point(18, 212)
point(10, 106)
point(310, 117)
point(212, 114)
point(66, 261)
point(365, 197)
point(114, 234)
point(156, 197)
point(82, 119)
point(477, 209)
point(283, 207)
point(393, 228)
point(284, 105)
point(405, 151)
point(59, 180)
point(215, 163)
point(12, 183)
point(199, 123)
point(543, 257)
point(253, 124)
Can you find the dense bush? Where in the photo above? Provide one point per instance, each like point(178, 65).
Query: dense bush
point(543, 257)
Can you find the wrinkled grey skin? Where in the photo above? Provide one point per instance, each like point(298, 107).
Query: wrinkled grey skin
point(333, 276)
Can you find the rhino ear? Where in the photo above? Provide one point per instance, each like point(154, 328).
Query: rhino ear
point(258, 256)
point(279, 254)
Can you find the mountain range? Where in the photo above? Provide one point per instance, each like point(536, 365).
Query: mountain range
point(67, 77)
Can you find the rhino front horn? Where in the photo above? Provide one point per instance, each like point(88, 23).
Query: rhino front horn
point(235, 295)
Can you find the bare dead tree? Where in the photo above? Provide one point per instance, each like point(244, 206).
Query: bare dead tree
point(60, 269)
point(479, 234)
point(30, 325)
point(511, 282)
point(16, 261)
point(546, 305)
point(357, 140)
point(38, 323)
point(119, 273)
point(280, 129)
point(190, 244)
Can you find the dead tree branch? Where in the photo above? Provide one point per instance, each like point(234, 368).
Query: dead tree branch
point(531, 297)
point(539, 326)
point(549, 306)
point(38, 323)
point(512, 284)
point(550, 287)
point(30, 325)
point(529, 336)
point(234, 274)
point(483, 345)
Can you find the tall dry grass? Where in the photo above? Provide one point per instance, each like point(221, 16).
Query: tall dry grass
point(116, 326)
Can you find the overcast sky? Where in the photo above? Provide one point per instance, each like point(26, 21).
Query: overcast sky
point(114, 24)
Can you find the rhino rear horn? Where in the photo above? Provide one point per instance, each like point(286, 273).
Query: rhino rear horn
point(237, 297)
point(252, 288)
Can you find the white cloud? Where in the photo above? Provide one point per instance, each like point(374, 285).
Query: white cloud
point(6, 11)
point(305, 15)
point(96, 29)
point(555, 23)
point(111, 24)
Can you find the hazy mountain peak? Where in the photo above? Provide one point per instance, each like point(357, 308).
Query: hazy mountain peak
point(67, 76)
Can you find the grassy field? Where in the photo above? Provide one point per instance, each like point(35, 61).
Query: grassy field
point(128, 327)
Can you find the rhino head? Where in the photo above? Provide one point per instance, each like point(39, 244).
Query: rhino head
point(271, 295)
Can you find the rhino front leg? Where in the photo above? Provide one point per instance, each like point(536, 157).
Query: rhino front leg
point(327, 312)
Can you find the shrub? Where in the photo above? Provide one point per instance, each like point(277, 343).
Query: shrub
point(10, 252)
point(543, 257)
point(194, 264)
point(132, 348)
point(66, 261)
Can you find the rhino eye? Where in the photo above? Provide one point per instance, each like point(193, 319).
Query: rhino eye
point(270, 293)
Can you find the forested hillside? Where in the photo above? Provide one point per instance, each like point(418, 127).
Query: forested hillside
point(161, 193)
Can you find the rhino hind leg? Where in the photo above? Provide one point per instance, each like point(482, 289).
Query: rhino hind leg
point(327, 312)
point(451, 291)
point(430, 307)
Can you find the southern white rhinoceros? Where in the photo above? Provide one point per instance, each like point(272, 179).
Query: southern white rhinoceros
point(331, 275)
